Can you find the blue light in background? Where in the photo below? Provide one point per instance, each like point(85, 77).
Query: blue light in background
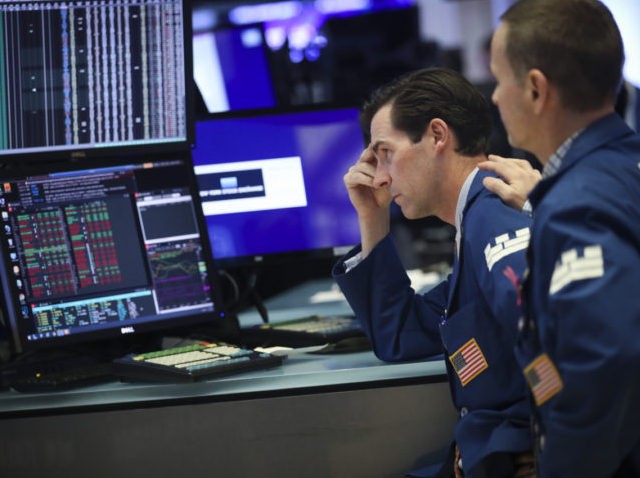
point(298, 23)
point(328, 7)
point(276, 37)
point(264, 12)
point(312, 53)
point(301, 35)
point(204, 19)
point(296, 56)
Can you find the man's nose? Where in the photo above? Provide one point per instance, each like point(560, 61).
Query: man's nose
point(381, 178)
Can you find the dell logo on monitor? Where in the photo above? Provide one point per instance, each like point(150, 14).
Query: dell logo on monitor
point(127, 330)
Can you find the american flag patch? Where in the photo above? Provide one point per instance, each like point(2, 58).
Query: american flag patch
point(468, 362)
point(543, 378)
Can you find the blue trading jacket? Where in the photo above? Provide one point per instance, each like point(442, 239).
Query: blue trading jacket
point(584, 297)
point(481, 300)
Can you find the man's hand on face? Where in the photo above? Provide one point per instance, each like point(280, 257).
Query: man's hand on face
point(365, 195)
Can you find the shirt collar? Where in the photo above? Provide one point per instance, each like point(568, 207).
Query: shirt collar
point(462, 201)
point(556, 158)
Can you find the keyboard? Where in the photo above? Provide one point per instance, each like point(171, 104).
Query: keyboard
point(59, 375)
point(192, 362)
point(304, 331)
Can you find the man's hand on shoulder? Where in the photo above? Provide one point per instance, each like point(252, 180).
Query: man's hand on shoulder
point(517, 179)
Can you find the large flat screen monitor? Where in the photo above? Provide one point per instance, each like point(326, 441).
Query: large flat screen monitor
point(105, 252)
point(271, 184)
point(80, 78)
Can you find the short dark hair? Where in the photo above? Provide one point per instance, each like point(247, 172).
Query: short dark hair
point(575, 43)
point(420, 96)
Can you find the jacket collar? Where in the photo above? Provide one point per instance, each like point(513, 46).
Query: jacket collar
point(601, 132)
point(474, 191)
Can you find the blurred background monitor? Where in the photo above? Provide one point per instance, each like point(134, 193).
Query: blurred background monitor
point(296, 53)
point(231, 69)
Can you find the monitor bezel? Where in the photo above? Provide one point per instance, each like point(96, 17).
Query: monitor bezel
point(216, 320)
point(91, 153)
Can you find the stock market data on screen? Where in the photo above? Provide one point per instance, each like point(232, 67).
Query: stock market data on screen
point(88, 76)
point(104, 252)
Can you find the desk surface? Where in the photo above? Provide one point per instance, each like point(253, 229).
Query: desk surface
point(286, 422)
point(314, 416)
point(300, 372)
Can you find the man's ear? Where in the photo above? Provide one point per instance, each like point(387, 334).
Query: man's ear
point(438, 132)
point(537, 89)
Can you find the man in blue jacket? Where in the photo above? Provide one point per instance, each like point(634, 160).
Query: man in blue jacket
point(428, 130)
point(558, 66)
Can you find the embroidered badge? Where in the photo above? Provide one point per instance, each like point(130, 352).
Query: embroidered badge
point(505, 246)
point(572, 267)
point(543, 378)
point(468, 362)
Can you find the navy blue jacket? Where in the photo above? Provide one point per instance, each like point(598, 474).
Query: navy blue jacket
point(475, 307)
point(583, 298)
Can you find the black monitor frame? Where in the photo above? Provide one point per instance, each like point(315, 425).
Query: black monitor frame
point(90, 151)
point(214, 318)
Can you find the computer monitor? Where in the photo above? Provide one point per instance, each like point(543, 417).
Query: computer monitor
point(231, 69)
point(105, 252)
point(272, 186)
point(82, 78)
point(368, 50)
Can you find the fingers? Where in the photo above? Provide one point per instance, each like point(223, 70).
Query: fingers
point(366, 193)
point(457, 472)
point(516, 162)
point(525, 465)
point(515, 172)
point(367, 158)
point(510, 195)
point(501, 166)
point(526, 472)
point(363, 171)
point(360, 174)
point(496, 186)
point(508, 168)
